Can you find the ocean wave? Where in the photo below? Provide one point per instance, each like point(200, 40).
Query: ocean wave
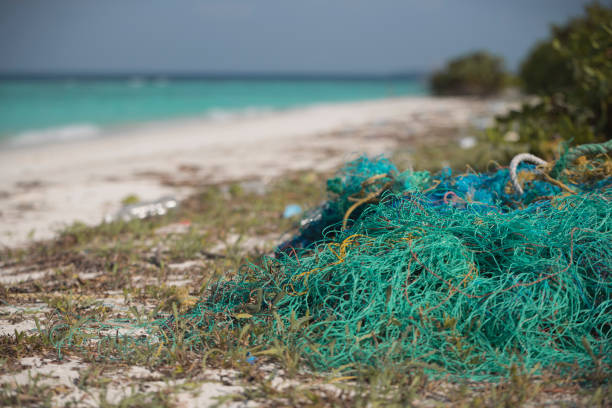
point(75, 131)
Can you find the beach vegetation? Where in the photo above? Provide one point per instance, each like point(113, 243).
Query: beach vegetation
point(475, 74)
point(571, 75)
point(130, 199)
point(545, 70)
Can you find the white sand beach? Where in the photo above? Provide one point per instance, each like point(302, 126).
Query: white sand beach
point(44, 188)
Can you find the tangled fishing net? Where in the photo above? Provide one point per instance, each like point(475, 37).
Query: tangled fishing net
point(459, 273)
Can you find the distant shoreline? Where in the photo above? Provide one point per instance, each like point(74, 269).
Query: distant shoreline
point(214, 118)
point(58, 109)
point(258, 76)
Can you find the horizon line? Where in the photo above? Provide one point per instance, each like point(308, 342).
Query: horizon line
point(218, 75)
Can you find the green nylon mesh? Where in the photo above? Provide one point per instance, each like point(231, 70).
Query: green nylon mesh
point(458, 286)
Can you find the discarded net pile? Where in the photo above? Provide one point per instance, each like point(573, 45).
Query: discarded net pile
point(455, 272)
point(460, 273)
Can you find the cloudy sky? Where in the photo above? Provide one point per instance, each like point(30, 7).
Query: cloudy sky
point(332, 36)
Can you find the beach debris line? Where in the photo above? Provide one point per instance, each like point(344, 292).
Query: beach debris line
point(458, 274)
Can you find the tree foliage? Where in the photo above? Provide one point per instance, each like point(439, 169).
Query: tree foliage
point(545, 70)
point(572, 75)
point(478, 74)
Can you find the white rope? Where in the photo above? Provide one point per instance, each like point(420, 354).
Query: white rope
point(516, 160)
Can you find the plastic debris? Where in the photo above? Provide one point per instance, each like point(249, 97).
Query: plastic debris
point(144, 209)
point(292, 210)
point(250, 358)
point(459, 274)
point(467, 142)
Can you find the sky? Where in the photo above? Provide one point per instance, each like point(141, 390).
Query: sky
point(290, 36)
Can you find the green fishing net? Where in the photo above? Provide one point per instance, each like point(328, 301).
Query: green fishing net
point(456, 273)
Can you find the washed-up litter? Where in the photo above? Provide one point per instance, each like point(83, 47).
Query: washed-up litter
point(292, 210)
point(250, 358)
point(460, 274)
point(143, 209)
point(467, 142)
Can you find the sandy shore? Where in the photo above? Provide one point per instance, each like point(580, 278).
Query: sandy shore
point(44, 188)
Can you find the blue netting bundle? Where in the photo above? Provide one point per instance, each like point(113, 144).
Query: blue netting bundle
point(481, 191)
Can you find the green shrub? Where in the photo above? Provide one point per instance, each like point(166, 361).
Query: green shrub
point(545, 70)
point(478, 74)
point(575, 99)
point(587, 43)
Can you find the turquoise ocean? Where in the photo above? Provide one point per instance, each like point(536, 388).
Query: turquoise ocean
point(41, 111)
